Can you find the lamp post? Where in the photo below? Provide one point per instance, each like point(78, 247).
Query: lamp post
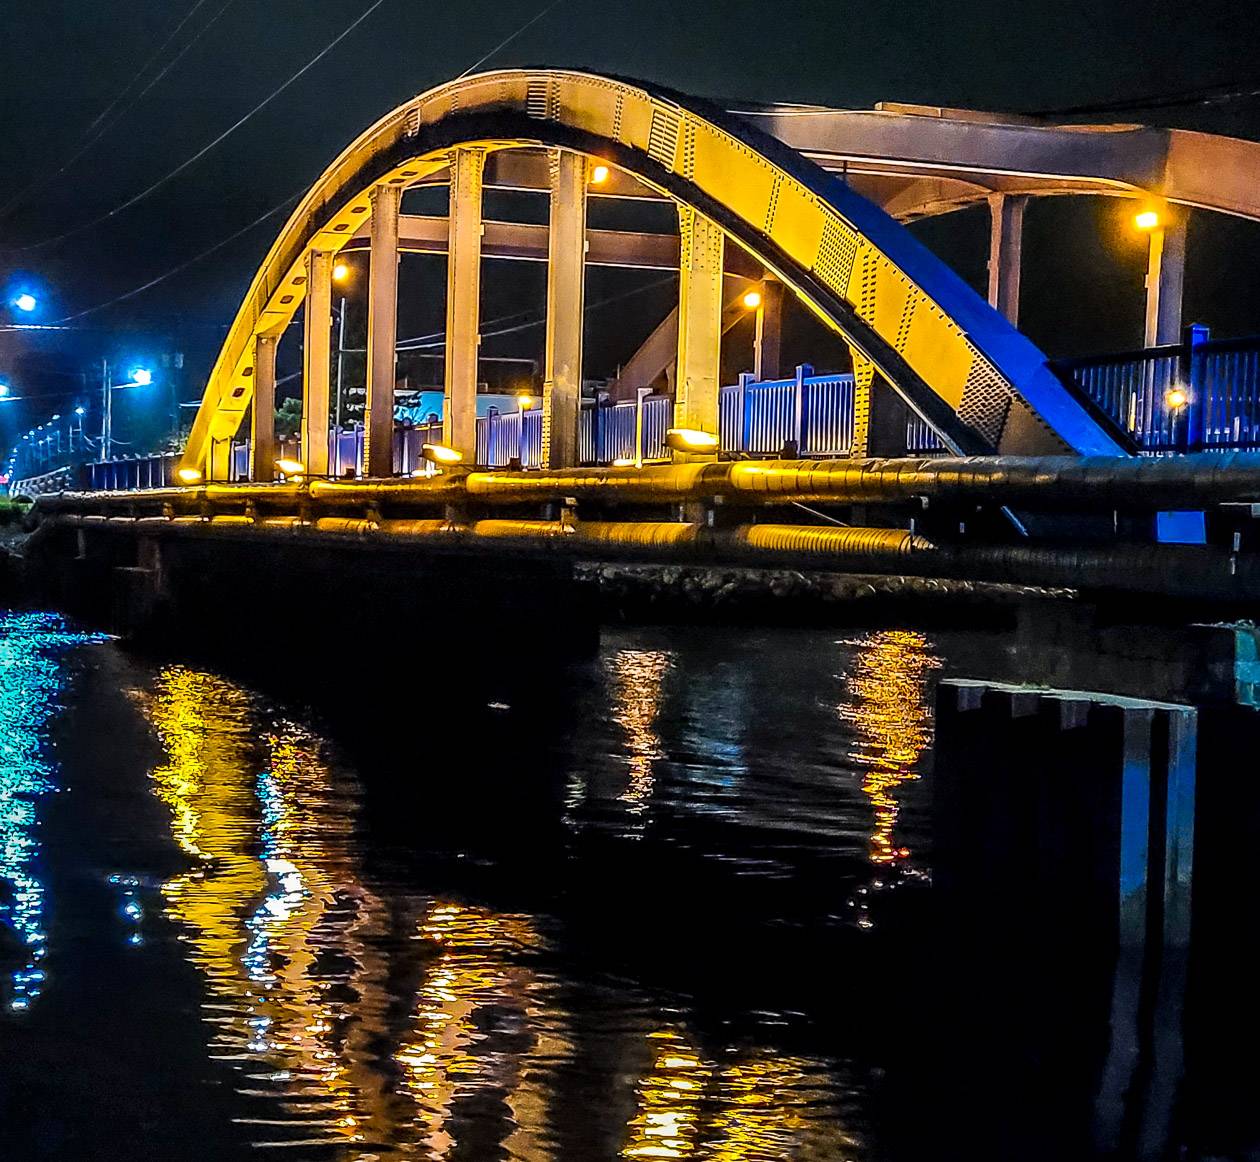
point(340, 272)
point(140, 377)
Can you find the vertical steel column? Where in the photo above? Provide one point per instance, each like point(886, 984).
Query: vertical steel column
point(696, 387)
point(566, 279)
point(1165, 279)
point(317, 362)
point(1006, 240)
point(463, 302)
point(382, 333)
point(262, 431)
point(863, 377)
point(769, 333)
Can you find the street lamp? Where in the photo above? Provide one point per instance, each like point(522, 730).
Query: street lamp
point(1147, 220)
point(599, 175)
point(26, 302)
point(4, 391)
point(752, 300)
point(140, 377)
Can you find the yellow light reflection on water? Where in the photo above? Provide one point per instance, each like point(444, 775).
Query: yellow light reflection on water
point(255, 810)
point(749, 1106)
point(475, 971)
point(304, 962)
point(637, 677)
point(891, 716)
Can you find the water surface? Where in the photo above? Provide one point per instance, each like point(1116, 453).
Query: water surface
point(670, 904)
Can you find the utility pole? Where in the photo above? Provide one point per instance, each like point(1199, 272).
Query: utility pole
point(107, 411)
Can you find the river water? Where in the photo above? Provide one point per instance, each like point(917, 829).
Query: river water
point(674, 903)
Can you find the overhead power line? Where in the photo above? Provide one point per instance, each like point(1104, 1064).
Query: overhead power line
point(1219, 94)
point(292, 197)
point(104, 122)
point(196, 157)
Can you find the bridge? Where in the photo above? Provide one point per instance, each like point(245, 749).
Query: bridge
point(1020, 471)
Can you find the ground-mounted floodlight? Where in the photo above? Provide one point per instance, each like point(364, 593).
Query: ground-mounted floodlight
point(441, 455)
point(691, 440)
point(291, 468)
point(188, 476)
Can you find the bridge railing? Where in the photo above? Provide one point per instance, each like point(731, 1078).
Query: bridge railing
point(1198, 395)
point(812, 414)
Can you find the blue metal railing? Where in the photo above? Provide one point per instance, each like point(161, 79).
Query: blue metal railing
point(811, 414)
point(1199, 395)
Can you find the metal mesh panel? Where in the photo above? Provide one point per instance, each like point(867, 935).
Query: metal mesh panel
point(986, 400)
point(837, 250)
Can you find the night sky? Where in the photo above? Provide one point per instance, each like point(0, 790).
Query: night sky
point(63, 61)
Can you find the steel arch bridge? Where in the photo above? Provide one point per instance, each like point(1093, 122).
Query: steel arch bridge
point(958, 363)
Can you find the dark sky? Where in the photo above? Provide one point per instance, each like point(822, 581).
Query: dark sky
point(63, 61)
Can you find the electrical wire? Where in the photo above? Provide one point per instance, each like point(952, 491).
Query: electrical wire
point(508, 40)
point(196, 157)
point(292, 197)
point(122, 298)
point(100, 126)
point(1204, 95)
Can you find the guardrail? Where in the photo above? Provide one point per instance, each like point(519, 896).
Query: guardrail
point(1198, 395)
point(807, 415)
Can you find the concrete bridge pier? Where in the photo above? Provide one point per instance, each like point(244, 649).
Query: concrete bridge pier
point(699, 323)
point(1064, 846)
point(316, 362)
point(566, 278)
point(463, 302)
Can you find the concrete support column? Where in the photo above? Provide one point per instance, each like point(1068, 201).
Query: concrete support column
point(262, 433)
point(463, 302)
point(317, 362)
point(699, 322)
point(1165, 279)
point(769, 334)
point(1005, 245)
point(566, 281)
point(382, 333)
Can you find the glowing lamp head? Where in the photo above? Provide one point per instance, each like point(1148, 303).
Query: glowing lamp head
point(752, 300)
point(1147, 220)
point(623, 462)
point(599, 175)
point(80, 411)
point(188, 476)
point(690, 440)
point(290, 467)
point(1176, 398)
point(4, 391)
point(340, 272)
point(26, 302)
point(525, 401)
point(441, 454)
point(142, 377)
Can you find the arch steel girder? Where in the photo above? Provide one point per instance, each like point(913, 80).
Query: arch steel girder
point(979, 383)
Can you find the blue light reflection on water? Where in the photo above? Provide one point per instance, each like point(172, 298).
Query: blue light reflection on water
point(33, 678)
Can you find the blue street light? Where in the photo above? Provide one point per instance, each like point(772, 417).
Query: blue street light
point(142, 377)
point(4, 391)
point(26, 302)
point(80, 411)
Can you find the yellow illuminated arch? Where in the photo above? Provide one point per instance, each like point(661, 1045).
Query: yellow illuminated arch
point(971, 375)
